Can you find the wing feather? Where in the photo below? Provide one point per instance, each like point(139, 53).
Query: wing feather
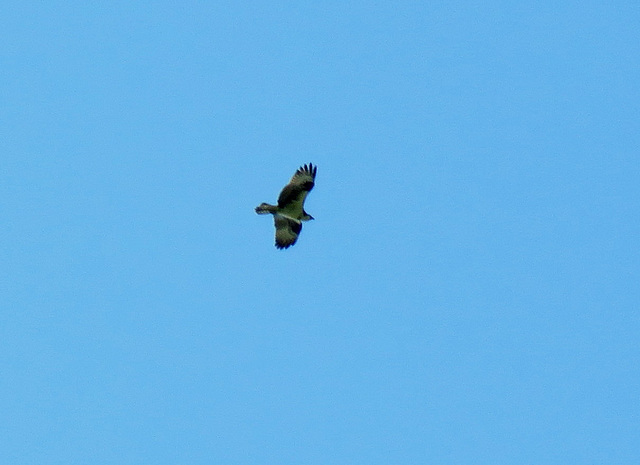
point(287, 231)
point(300, 185)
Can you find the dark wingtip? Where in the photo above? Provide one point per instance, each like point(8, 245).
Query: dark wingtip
point(309, 168)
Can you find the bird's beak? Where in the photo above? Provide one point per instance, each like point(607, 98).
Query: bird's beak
point(311, 217)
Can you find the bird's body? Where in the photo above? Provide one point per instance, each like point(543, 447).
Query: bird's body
point(289, 214)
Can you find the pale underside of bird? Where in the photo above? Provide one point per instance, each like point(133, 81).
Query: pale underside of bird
point(289, 214)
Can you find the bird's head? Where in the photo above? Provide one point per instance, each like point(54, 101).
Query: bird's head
point(307, 217)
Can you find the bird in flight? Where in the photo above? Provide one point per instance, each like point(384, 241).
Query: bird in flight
point(289, 213)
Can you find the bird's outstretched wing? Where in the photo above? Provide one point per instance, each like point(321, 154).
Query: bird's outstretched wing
point(293, 195)
point(287, 231)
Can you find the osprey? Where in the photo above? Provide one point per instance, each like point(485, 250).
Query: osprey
point(289, 213)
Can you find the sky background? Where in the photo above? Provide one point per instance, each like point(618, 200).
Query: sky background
point(468, 293)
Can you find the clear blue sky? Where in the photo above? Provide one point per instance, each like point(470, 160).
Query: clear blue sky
point(469, 292)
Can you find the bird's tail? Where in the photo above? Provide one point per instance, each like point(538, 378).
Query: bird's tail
point(265, 208)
